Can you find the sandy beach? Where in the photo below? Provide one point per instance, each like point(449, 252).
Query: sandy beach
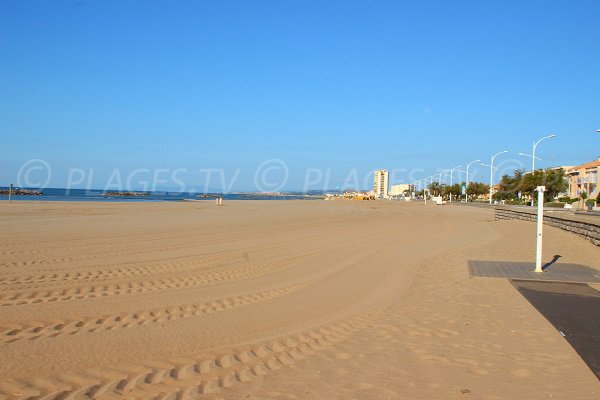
point(275, 300)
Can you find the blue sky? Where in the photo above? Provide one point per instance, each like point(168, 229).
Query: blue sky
point(343, 87)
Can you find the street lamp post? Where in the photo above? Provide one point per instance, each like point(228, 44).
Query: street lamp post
point(533, 157)
point(492, 173)
point(534, 147)
point(440, 180)
point(431, 183)
point(433, 176)
point(440, 183)
point(467, 180)
point(452, 172)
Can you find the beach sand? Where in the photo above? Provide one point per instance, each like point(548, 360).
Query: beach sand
point(275, 300)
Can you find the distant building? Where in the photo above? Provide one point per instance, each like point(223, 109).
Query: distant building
point(380, 184)
point(584, 178)
point(400, 189)
point(566, 169)
point(356, 195)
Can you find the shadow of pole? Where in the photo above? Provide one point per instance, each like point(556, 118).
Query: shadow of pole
point(554, 260)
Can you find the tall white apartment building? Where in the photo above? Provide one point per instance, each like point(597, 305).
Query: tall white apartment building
point(380, 184)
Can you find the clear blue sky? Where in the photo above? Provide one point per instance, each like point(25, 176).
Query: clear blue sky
point(337, 85)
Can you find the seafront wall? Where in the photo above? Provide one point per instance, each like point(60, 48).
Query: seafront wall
point(585, 227)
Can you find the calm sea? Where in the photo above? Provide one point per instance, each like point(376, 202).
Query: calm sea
point(54, 194)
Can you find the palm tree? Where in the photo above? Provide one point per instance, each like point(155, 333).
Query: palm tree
point(435, 189)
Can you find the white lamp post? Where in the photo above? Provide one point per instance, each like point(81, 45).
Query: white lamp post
point(534, 147)
point(467, 180)
point(452, 172)
point(430, 184)
point(533, 157)
point(442, 174)
point(440, 180)
point(492, 173)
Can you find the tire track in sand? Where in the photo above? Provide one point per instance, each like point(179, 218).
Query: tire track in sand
point(56, 260)
point(35, 281)
point(115, 289)
point(192, 376)
point(15, 333)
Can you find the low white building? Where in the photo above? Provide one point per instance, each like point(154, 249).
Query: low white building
point(399, 189)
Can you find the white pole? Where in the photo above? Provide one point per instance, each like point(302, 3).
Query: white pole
point(451, 181)
point(540, 227)
point(491, 179)
point(440, 181)
point(535, 144)
point(10, 190)
point(533, 170)
point(466, 194)
point(451, 173)
point(431, 184)
point(492, 173)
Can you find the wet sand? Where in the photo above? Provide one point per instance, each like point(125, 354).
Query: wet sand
point(275, 300)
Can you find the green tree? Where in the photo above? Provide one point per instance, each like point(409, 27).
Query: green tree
point(455, 189)
point(435, 189)
point(476, 189)
point(510, 186)
point(555, 182)
point(526, 183)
